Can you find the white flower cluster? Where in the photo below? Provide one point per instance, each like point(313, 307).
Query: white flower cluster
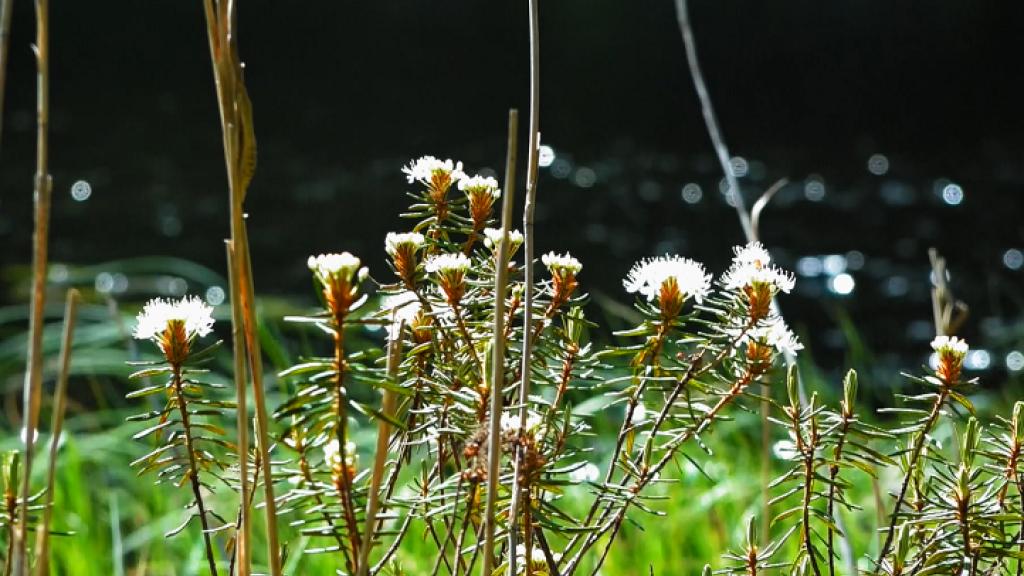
point(752, 264)
point(404, 307)
point(333, 456)
point(152, 321)
point(558, 262)
point(647, 276)
point(493, 237)
point(950, 345)
point(444, 263)
point(326, 266)
point(510, 422)
point(394, 240)
point(480, 184)
point(423, 169)
point(537, 559)
point(776, 334)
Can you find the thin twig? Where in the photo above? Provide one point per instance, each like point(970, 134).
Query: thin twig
point(528, 243)
point(734, 194)
point(56, 427)
point(498, 347)
point(34, 367)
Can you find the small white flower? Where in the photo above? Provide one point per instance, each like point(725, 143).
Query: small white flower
point(750, 265)
point(326, 266)
point(785, 450)
point(423, 169)
point(753, 254)
point(480, 184)
point(393, 241)
point(558, 262)
point(777, 335)
point(510, 422)
point(586, 473)
point(493, 237)
point(444, 263)
point(537, 559)
point(950, 344)
point(738, 277)
point(639, 415)
point(647, 276)
point(405, 306)
point(196, 314)
point(333, 456)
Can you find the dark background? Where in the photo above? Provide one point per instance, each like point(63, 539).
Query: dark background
point(345, 93)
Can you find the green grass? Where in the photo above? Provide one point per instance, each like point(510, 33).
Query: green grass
point(119, 519)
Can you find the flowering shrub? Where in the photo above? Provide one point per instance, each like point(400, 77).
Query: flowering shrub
point(704, 347)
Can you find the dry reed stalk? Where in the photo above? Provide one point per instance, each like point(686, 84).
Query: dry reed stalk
point(240, 159)
point(34, 366)
point(381, 454)
point(498, 348)
point(528, 241)
point(56, 427)
point(243, 537)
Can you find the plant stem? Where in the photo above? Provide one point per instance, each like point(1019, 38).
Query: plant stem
point(833, 475)
point(243, 546)
point(528, 242)
point(1020, 535)
point(34, 368)
point(911, 464)
point(670, 447)
point(498, 348)
point(693, 371)
point(193, 466)
point(708, 111)
point(381, 454)
point(239, 157)
point(464, 332)
point(809, 474)
point(11, 507)
point(341, 435)
point(56, 426)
